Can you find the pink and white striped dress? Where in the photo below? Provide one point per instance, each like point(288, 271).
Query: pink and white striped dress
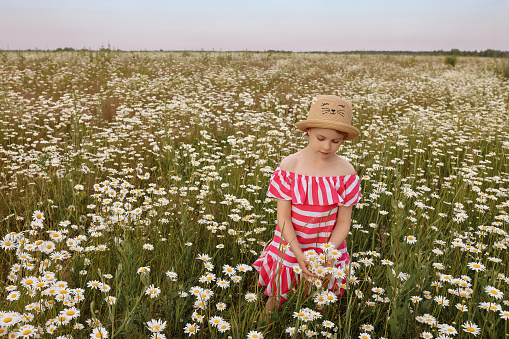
point(315, 202)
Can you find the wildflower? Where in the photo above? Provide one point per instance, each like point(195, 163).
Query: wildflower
point(203, 257)
point(145, 269)
point(208, 278)
point(223, 283)
point(243, 268)
point(153, 291)
point(149, 247)
point(221, 306)
point(415, 299)
point(461, 307)
point(94, 284)
point(191, 329)
point(367, 327)
point(236, 278)
point(215, 321)
point(99, 332)
point(504, 315)
point(471, 328)
point(438, 265)
point(14, 295)
point(227, 269)
point(441, 300)
point(447, 329)
point(493, 292)
point(156, 326)
point(364, 335)
point(105, 288)
point(290, 330)
point(411, 239)
point(254, 335)
point(319, 299)
point(71, 312)
point(490, 306)
point(172, 275)
point(299, 315)
point(250, 297)
point(437, 251)
point(476, 266)
point(330, 297)
point(223, 326)
point(110, 300)
point(208, 265)
point(328, 324)
point(38, 216)
point(27, 331)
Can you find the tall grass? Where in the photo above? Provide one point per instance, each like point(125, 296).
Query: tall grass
point(125, 173)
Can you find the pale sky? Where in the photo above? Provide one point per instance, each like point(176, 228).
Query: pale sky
point(294, 25)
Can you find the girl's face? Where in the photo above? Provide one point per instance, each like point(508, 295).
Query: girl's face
point(325, 142)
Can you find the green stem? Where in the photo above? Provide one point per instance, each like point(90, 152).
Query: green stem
point(128, 317)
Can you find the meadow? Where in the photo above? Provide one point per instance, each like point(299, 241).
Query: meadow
point(133, 194)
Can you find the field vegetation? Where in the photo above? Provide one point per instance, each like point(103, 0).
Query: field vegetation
point(133, 194)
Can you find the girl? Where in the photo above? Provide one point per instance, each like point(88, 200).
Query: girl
point(315, 189)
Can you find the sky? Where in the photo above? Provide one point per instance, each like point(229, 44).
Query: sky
point(260, 25)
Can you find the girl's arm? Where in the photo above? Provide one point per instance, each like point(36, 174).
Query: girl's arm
point(342, 228)
point(284, 220)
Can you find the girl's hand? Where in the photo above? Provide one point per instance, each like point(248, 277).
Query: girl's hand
point(303, 263)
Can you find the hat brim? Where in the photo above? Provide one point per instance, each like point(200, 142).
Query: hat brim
point(351, 131)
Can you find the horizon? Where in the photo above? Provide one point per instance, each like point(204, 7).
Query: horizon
point(113, 49)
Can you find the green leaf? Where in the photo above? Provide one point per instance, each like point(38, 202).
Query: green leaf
point(391, 276)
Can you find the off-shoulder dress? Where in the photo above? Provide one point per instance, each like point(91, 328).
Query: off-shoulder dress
point(315, 202)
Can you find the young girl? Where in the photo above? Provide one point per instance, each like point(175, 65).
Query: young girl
point(315, 189)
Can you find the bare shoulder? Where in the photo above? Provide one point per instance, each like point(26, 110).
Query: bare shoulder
point(289, 163)
point(344, 167)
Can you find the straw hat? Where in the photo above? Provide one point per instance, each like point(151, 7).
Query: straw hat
point(330, 111)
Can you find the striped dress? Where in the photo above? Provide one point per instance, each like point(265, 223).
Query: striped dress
point(315, 202)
